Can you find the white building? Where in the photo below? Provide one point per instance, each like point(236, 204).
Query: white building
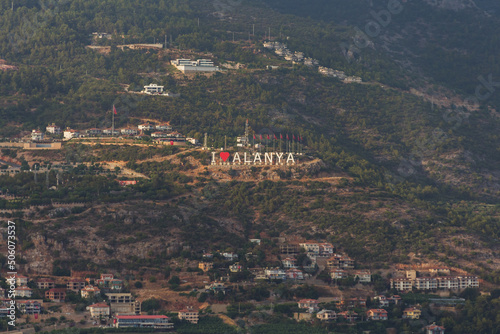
point(54, 129)
point(99, 310)
point(193, 141)
point(275, 273)
point(23, 291)
point(159, 134)
point(164, 127)
point(289, 263)
point(69, 133)
point(36, 135)
point(146, 127)
point(129, 131)
point(153, 89)
point(200, 65)
point(310, 247)
point(230, 256)
point(110, 132)
point(364, 276)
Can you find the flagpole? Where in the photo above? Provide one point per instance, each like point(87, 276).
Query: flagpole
point(113, 123)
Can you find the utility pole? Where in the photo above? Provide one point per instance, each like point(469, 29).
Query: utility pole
point(253, 29)
point(225, 142)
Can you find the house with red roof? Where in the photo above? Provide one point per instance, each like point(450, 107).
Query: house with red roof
point(310, 304)
point(434, 329)
point(377, 314)
point(99, 310)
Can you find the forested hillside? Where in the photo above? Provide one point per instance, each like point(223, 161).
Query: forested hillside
point(409, 157)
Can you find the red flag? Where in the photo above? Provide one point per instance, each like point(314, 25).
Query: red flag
point(287, 137)
point(254, 136)
point(267, 137)
point(275, 137)
point(260, 137)
point(293, 137)
point(114, 110)
point(281, 136)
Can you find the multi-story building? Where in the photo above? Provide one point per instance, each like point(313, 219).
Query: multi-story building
point(110, 132)
point(143, 321)
point(23, 291)
point(402, 284)
point(189, 314)
point(376, 314)
point(350, 316)
point(205, 266)
point(163, 127)
point(108, 282)
point(426, 283)
point(153, 89)
point(129, 131)
point(310, 304)
point(45, 283)
point(311, 247)
point(289, 249)
point(289, 262)
point(75, 285)
point(275, 273)
point(146, 127)
point(21, 280)
point(294, 274)
point(29, 306)
point(37, 135)
point(93, 132)
point(326, 315)
point(54, 129)
point(326, 249)
point(200, 65)
point(364, 276)
point(99, 310)
point(90, 291)
point(411, 313)
point(70, 133)
point(338, 273)
point(340, 261)
point(56, 294)
point(123, 303)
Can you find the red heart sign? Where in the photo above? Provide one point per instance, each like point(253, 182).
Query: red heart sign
point(224, 156)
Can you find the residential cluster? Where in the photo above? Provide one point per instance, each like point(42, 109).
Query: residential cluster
point(158, 132)
point(297, 57)
point(118, 308)
point(432, 279)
